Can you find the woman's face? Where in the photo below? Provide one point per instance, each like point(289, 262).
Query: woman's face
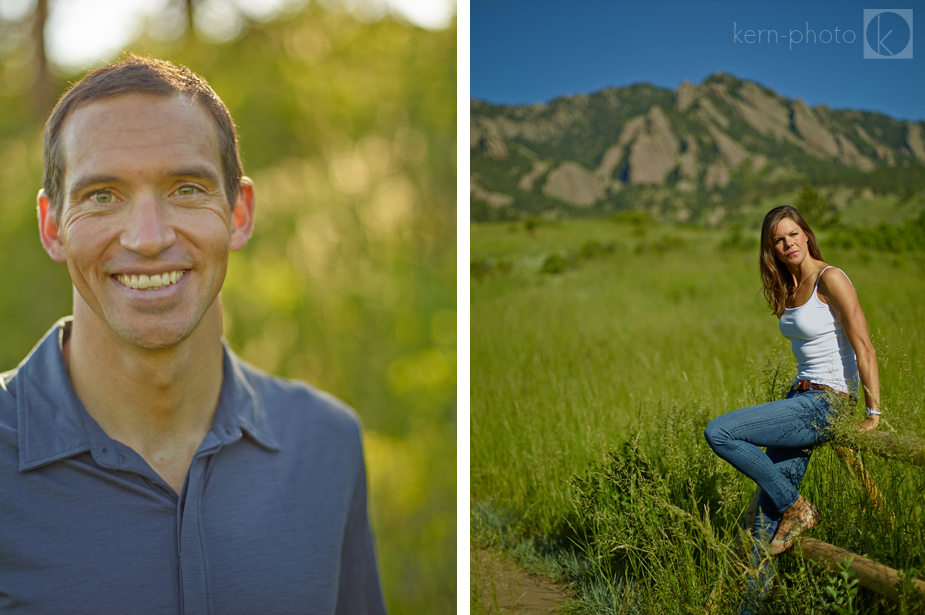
point(789, 241)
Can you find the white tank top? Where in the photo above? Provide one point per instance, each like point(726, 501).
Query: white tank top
point(819, 344)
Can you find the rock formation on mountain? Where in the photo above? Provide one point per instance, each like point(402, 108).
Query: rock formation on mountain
point(670, 151)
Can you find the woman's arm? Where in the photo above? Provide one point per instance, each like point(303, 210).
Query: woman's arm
point(837, 291)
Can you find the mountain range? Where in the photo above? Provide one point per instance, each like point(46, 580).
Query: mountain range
point(695, 154)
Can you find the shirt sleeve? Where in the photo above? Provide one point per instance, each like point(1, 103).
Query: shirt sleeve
point(359, 591)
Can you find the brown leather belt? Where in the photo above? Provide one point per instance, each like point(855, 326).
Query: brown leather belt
point(805, 385)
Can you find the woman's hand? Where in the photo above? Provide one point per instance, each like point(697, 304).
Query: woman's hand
point(869, 424)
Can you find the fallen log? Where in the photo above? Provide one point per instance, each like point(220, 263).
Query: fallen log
point(870, 574)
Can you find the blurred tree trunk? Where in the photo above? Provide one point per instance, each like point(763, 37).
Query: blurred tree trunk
point(42, 91)
point(190, 8)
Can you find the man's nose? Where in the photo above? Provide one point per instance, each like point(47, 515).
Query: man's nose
point(147, 230)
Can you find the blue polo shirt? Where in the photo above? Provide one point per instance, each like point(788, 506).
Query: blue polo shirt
point(271, 519)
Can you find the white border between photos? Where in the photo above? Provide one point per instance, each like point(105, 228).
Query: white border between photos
point(462, 306)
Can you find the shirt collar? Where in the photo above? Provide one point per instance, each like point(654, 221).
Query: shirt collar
point(240, 407)
point(53, 424)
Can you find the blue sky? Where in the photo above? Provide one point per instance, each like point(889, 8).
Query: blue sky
point(529, 51)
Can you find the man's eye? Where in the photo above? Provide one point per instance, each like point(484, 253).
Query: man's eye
point(187, 190)
point(102, 198)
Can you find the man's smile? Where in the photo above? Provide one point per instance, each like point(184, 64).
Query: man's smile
point(153, 282)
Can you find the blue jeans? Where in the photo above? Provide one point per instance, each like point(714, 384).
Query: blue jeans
point(788, 429)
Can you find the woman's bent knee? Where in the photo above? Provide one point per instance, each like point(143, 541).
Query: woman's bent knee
point(714, 435)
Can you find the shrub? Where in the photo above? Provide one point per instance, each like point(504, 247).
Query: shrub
point(736, 240)
point(906, 237)
point(555, 264)
point(593, 249)
point(817, 210)
point(479, 268)
point(633, 217)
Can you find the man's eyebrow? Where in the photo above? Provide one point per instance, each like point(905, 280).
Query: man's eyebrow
point(89, 181)
point(198, 173)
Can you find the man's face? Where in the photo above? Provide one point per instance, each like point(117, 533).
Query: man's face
point(145, 226)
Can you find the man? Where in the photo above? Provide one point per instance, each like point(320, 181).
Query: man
point(144, 468)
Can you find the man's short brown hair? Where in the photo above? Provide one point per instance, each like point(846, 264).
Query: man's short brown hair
point(137, 75)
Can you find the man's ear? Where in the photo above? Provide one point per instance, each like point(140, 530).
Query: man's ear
point(48, 230)
point(243, 215)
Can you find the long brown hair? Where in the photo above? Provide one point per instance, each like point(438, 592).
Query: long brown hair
point(777, 280)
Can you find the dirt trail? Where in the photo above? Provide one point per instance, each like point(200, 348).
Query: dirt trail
point(504, 588)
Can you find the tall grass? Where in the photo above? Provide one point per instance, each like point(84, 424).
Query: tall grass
point(591, 389)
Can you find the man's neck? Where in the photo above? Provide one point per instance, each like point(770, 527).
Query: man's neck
point(158, 402)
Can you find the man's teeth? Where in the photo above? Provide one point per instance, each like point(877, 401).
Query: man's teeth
point(150, 282)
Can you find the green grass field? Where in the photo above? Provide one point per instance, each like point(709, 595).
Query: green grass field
point(591, 388)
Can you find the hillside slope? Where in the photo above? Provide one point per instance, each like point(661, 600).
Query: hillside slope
point(694, 154)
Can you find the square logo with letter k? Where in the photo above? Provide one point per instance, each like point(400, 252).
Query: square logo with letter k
point(888, 34)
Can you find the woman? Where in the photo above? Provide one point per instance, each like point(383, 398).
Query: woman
point(819, 313)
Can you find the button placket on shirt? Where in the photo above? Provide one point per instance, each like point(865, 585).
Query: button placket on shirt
point(193, 574)
point(194, 564)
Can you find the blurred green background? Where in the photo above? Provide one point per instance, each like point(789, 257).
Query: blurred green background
point(347, 124)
